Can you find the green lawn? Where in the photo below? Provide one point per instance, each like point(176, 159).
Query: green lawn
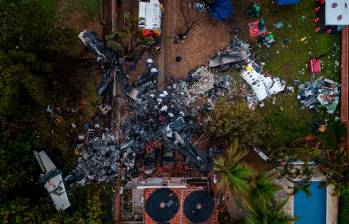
point(289, 62)
point(343, 215)
point(90, 7)
point(51, 4)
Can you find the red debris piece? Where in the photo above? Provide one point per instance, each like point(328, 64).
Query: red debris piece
point(254, 30)
point(148, 33)
point(315, 65)
point(329, 31)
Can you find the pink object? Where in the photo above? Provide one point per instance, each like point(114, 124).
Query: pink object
point(254, 30)
point(315, 65)
point(329, 31)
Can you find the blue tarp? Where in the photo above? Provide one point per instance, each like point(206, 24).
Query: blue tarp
point(287, 2)
point(221, 9)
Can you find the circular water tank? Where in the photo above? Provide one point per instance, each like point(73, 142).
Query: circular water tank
point(198, 206)
point(162, 205)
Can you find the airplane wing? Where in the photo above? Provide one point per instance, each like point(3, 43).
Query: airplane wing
point(44, 161)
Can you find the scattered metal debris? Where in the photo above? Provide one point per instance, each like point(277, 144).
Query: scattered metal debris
point(235, 55)
point(107, 58)
point(320, 93)
point(159, 124)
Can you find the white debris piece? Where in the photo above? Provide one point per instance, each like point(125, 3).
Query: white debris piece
point(164, 108)
point(52, 178)
point(149, 14)
point(261, 85)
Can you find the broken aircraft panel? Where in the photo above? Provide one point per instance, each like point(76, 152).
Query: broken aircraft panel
point(53, 182)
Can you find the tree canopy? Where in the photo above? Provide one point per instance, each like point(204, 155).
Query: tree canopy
point(38, 56)
point(235, 120)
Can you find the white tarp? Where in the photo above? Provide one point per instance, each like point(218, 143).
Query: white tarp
point(337, 12)
point(149, 14)
point(261, 85)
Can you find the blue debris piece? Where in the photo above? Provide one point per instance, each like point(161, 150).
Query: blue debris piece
point(221, 9)
point(287, 2)
point(178, 124)
point(320, 93)
point(278, 25)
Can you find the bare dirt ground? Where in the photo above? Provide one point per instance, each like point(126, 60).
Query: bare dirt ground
point(203, 40)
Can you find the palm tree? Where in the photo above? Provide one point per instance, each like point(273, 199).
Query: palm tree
point(233, 176)
point(264, 187)
point(336, 168)
point(129, 41)
point(302, 186)
point(261, 206)
point(264, 211)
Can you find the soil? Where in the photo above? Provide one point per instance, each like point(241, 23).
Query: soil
point(202, 41)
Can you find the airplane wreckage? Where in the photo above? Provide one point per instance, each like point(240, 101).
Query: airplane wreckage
point(161, 124)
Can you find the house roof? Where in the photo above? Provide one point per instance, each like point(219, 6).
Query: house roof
point(337, 12)
point(188, 199)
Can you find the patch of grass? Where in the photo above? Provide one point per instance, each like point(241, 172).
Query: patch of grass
point(290, 61)
point(335, 133)
point(50, 4)
point(286, 120)
point(343, 215)
point(90, 6)
point(287, 117)
point(91, 99)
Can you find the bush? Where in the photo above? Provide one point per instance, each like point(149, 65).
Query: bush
point(235, 121)
point(343, 216)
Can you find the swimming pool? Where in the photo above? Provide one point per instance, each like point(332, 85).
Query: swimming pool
point(311, 210)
